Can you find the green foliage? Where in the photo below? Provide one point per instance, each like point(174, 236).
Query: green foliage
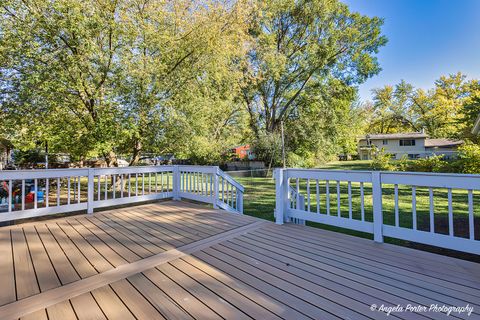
point(446, 111)
point(382, 161)
point(469, 158)
point(430, 164)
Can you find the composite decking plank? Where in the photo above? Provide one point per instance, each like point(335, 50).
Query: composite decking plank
point(46, 276)
point(37, 315)
point(363, 275)
point(7, 275)
point(150, 228)
point(380, 252)
point(121, 247)
point(428, 282)
point(408, 253)
point(135, 302)
point(167, 306)
point(203, 208)
point(176, 226)
point(145, 243)
point(108, 253)
point(111, 305)
point(61, 311)
point(216, 302)
point(86, 307)
point(206, 218)
point(224, 292)
point(136, 217)
point(324, 298)
point(270, 290)
point(187, 301)
point(352, 251)
point(276, 307)
point(346, 287)
point(172, 228)
point(25, 279)
point(81, 265)
point(371, 290)
point(93, 256)
point(63, 267)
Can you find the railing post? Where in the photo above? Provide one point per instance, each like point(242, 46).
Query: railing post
point(240, 202)
point(377, 207)
point(176, 183)
point(90, 187)
point(215, 187)
point(280, 195)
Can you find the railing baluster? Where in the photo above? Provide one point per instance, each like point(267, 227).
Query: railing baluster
point(136, 184)
point(297, 189)
point(327, 191)
point(47, 191)
point(338, 198)
point(156, 182)
point(68, 190)
point(362, 202)
point(414, 207)
point(317, 189)
point(121, 186)
point(308, 195)
point(349, 199)
point(35, 194)
point(106, 188)
point(397, 218)
point(143, 183)
point(129, 185)
point(432, 217)
point(58, 192)
point(471, 226)
point(78, 200)
point(23, 194)
point(98, 188)
point(9, 199)
point(168, 181)
point(114, 186)
point(149, 182)
point(450, 213)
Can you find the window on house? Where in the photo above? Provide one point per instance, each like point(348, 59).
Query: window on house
point(385, 142)
point(407, 142)
point(413, 156)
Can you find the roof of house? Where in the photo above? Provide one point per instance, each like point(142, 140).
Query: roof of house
point(476, 126)
point(432, 143)
point(395, 136)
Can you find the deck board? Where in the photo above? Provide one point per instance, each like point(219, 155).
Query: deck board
point(226, 266)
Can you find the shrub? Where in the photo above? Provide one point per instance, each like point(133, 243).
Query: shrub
point(382, 161)
point(430, 164)
point(469, 158)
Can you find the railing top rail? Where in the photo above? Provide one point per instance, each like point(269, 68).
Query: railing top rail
point(386, 172)
point(234, 182)
point(355, 176)
point(41, 173)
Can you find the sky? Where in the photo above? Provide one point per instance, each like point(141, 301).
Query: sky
point(426, 39)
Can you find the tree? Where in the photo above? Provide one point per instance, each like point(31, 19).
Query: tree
point(108, 77)
point(298, 47)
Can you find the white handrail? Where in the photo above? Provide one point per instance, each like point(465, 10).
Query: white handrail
point(364, 191)
point(32, 193)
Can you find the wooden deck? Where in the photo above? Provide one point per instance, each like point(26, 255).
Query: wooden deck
point(176, 260)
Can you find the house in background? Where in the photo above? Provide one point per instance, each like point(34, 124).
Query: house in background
point(243, 152)
point(413, 145)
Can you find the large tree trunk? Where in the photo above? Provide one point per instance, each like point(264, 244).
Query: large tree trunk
point(137, 148)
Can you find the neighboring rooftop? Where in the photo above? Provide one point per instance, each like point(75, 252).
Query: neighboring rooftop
point(435, 143)
point(407, 135)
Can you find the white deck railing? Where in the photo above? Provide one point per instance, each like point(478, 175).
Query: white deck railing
point(430, 208)
point(32, 193)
